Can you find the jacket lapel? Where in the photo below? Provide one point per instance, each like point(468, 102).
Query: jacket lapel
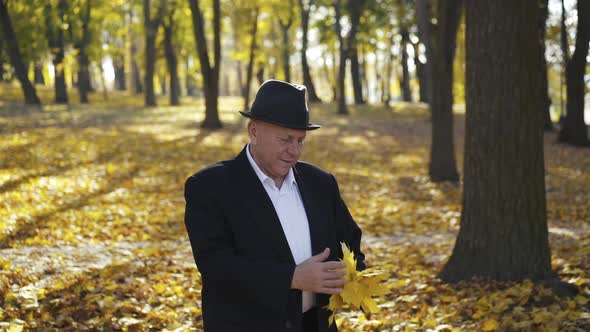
point(314, 218)
point(257, 203)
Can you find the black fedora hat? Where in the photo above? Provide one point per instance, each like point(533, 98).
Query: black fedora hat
point(283, 104)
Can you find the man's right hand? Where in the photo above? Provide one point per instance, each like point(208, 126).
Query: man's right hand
point(316, 276)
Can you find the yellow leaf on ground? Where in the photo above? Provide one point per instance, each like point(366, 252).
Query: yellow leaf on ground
point(490, 325)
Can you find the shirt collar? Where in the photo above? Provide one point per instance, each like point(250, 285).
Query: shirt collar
point(289, 179)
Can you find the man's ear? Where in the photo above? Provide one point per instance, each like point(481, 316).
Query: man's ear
point(252, 131)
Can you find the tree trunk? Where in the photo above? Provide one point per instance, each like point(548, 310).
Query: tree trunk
point(55, 37)
point(342, 66)
point(191, 89)
point(209, 73)
point(423, 18)
point(120, 80)
point(442, 165)
point(285, 27)
point(151, 32)
point(83, 62)
point(11, 46)
point(260, 73)
point(421, 74)
point(307, 81)
point(250, 68)
point(355, 9)
point(543, 84)
point(386, 97)
point(503, 232)
point(172, 62)
point(39, 79)
point(565, 58)
point(405, 81)
point(574, 130)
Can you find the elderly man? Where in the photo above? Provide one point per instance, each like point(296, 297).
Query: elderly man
point(265, 228)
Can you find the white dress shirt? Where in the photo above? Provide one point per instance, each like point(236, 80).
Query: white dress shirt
point(291, 212)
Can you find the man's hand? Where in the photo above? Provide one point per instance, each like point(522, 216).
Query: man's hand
point(316, 276)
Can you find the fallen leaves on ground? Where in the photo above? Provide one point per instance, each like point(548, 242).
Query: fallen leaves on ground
point(98, 192)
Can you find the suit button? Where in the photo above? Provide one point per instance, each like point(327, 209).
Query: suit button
point(289, 325)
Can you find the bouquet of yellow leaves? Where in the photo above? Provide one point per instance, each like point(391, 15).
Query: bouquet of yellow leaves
point(359, 287)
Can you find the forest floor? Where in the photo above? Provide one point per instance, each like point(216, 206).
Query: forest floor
point(92, 234)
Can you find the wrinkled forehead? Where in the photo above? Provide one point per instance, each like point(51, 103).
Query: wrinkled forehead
point(281, 131)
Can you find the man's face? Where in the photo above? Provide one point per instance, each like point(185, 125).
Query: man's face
point(276, 149)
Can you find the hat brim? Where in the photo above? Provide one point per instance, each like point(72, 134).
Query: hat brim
point(309, 126)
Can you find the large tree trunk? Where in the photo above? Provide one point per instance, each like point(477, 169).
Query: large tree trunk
point(405, 81)
point(423, 18)
point(209, 73)
point(83, 62)
point(355, 9)
point(307, 81)
point(151, 32)
point(250, 68)
point(543, 85)
point(342, 66)
point(442, 165)
point(574, 130)
point(11, 45)
point(503, 232)
point(172, 62)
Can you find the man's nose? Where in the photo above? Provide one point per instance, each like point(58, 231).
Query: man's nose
point(294, 148)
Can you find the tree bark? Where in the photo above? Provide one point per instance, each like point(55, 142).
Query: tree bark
point(342, 66)
point(442, 165)
point(83, 61)
point(503, 233)
point(307, 81)
point(424, 31)
point(355, 9)
point(565, 58)
point(260, 73)
point(405, 81)
point(574, 130)
point(421, 74)
point(151, 26)
point(209, 73)
point(171, 61)
point(11, 45)
point(250, 68)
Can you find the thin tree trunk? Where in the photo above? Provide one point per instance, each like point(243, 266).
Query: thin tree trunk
point(307, 81)
point(171, 61)
point(342, 66)
point(574, 130)
point(120, 80)
point(442, 165)
point(543, 86)
point(260, 73)
point(252, 54)
point(285, 28)
point(209, 73)
point(55, 36)
point(83, 62)
point(503, 233)
point(355, 9)
point(9, 38)
point(405, 81)
point(424, 30)
point(39, 79)
point(388, 72)
point(565, 58)
point(151, 31)
point(420, 73)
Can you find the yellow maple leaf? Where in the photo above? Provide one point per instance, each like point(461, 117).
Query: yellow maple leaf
point(490, 325)
point(359, 288)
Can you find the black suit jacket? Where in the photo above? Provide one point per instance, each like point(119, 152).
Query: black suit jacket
point(242, 253)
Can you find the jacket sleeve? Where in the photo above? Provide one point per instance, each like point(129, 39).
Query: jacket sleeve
point(348, 231)
point(263, 283)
